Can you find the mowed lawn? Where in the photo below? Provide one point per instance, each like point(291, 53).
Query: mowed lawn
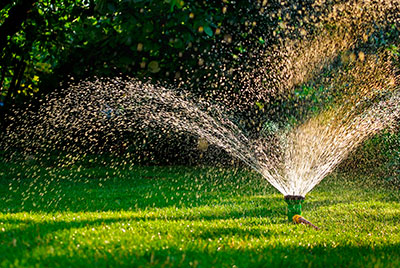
point(184, 216)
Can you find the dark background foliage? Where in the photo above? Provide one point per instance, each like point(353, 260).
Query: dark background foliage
point(210, 48)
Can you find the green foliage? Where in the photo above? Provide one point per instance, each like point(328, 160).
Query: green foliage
point(82, 38)
point(168, 40)
point(38, 45)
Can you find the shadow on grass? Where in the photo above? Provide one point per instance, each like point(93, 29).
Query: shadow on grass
point(139, 193)
point(92, 190)
point(32, 234)
point(138, 189)
point(277, 256)
point(240, 255)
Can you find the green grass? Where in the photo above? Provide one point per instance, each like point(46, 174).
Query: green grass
point(180, 216)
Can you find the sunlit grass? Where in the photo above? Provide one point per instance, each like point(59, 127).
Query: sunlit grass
point(182, 216)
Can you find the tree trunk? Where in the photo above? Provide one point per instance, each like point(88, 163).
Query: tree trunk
point(18, 73)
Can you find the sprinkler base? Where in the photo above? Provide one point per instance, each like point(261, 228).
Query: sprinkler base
point(294, 205)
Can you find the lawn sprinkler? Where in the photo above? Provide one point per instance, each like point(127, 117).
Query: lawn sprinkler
point(294, 205)
point(294, 210)
point(299, 219)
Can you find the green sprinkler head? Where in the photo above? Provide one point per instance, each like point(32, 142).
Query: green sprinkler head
point(294, 205)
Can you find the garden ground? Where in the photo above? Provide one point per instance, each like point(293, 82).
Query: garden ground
point(189, 216)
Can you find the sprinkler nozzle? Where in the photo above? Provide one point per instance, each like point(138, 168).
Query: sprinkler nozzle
point(294, 205)
point(299, 219)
